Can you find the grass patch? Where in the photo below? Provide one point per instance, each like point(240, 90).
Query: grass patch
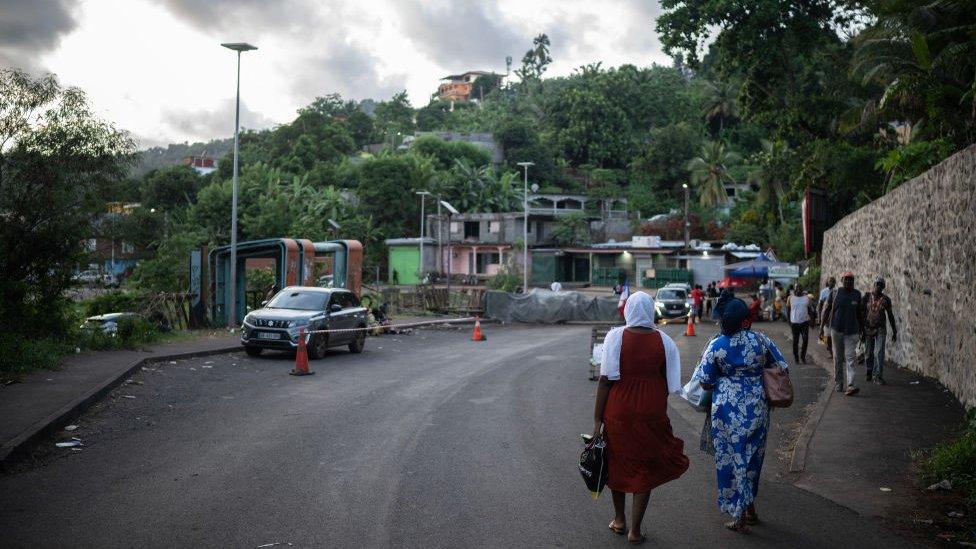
point(955, 460)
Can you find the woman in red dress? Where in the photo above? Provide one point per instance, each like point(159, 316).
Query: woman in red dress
point(640, 367)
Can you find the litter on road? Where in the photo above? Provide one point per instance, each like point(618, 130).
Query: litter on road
point(914, 382)
point(128, 396)
point(73, 443)
point(885, 489)
point(275, 544)
point(70, 427)
point(942, 485)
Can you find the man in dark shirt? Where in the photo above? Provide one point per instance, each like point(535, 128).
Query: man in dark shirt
point(877, 307)
point(844, 314)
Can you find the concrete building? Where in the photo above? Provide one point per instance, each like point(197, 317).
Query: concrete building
point(202, 163)
point(482, 243)
point(457, 87)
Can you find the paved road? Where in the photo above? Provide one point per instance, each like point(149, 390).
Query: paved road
point(426, 440)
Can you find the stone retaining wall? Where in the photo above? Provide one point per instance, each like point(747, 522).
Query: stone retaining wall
point(921, 238)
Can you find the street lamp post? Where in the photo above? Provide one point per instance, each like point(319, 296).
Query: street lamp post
point(685, 186)
point(525, 227)
point(423, 196)
point(232, 312)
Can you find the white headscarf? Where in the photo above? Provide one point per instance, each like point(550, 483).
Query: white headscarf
point(639, 311)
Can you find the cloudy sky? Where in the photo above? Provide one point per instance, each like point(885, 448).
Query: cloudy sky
point(155, 67)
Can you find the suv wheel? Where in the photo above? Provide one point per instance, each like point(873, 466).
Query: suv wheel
point(252, 351)
point(359, 343)
point(318, 345)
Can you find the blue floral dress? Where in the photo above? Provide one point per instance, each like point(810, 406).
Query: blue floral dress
point(740, 414)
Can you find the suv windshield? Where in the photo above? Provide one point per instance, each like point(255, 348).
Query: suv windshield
point(302, 301)
point(671, 294)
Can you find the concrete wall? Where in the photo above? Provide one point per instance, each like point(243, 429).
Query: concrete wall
point(921, 238)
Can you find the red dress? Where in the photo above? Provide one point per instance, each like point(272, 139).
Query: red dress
point(642, 452)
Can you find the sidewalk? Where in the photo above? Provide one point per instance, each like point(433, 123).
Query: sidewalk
point(46, 400)
point(860, 452)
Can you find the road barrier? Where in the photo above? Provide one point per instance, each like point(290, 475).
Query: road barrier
point(396, 326)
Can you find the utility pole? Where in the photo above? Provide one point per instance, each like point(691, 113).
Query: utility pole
point(423, 196)
point(525, 227)
point(687, 223)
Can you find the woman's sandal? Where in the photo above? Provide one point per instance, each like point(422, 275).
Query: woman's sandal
point(618, 530)
point(750, 518)
point(737, 526)
point(637, 541)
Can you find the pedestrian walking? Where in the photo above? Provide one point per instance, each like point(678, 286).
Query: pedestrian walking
point(711, 294)
point(799, 312)
point(779, 301)
point(731, 366)
point(821, 303)
point(640, 367)
point(845, 316)
point(877, 307)
point(697, 299)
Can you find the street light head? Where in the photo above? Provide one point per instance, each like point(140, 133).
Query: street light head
point(425, 193)
point(334, 225)
point(684, 185)
point(239, 46)
point(526, 164)
point(449, 208)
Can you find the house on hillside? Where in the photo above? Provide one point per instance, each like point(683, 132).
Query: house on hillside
point(458, 87)
point(202, 163)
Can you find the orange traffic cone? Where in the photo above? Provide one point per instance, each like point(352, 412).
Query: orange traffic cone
point(301, 357)
point(690, 332)
point(477, 335)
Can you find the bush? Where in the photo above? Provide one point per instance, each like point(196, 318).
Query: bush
point(21, 355)
point(505, 281)
point(955, 460)
point(114, 302)
point(810, 281)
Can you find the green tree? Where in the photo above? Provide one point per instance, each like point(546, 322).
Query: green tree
point(536, 60)
point(361, 129)
point(395, 115)
point(710, 171)
point(57, 160)
point(572, 229)
point(922, 60)
point(444, 153)
point(167, 188)
point(721, 102)
point(770, 173)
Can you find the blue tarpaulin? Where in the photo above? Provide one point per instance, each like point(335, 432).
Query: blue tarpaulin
point(754, 268)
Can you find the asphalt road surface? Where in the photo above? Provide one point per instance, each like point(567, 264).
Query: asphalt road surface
point(425, 440)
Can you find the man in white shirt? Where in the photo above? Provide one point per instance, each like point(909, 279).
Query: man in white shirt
point(799, 306)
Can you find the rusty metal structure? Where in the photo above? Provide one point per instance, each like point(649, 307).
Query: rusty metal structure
point(295, 261)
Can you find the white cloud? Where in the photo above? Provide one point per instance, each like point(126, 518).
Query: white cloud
point(155, 67)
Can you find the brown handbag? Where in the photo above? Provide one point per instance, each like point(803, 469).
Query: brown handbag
point(777, 386)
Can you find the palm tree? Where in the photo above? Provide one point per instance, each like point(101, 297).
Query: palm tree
point(924, 59)
point(772, 188)
point(710, 172)
point(721, 101)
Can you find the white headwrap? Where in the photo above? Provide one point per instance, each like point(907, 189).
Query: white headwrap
point(639, 311)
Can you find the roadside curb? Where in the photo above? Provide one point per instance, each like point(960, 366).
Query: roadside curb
point(82, 403)
point(798, 460)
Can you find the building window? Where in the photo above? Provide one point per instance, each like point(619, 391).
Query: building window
point(455, 227)
point(494, 227)
point(487, 258)
point(127, 247)
point(472, 229)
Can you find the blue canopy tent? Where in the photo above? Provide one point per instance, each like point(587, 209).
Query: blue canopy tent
point(754, 268)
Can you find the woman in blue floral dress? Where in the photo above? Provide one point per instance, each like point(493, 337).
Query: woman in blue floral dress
point(732, 367)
